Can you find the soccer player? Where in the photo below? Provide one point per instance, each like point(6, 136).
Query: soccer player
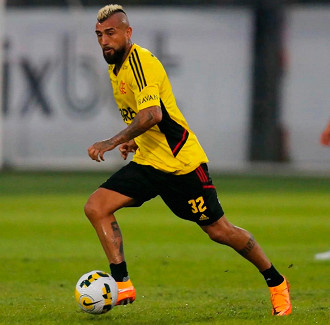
point(168, 161)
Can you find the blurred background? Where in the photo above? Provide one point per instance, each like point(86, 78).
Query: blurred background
point(251, 77)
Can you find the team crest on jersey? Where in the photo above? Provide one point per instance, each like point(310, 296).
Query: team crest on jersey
point(122, 87)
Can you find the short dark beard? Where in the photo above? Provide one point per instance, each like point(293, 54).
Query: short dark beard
point(116, 58)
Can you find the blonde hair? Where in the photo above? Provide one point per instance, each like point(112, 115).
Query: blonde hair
point(107, 11)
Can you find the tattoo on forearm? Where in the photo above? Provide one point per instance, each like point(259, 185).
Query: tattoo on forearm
point(248, 247)
point(142, 122)
point(150, 116)
point(109, 142)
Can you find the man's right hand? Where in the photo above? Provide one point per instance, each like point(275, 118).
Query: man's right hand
point(127, 147)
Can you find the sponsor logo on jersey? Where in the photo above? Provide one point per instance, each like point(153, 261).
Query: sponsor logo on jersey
point(147, 98)
point(203, 217)
point(127, 114)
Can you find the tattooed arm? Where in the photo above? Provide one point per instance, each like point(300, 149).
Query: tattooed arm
point(142, 122)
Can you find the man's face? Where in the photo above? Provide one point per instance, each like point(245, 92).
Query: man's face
point(114, 36)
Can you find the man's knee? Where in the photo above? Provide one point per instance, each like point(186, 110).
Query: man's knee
point(221, 231)
point(91, 210)
point(103, 203)
point(219, 235)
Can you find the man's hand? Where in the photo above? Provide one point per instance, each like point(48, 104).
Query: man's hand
point(127, 147)
point(97, 150)
point(143, 121)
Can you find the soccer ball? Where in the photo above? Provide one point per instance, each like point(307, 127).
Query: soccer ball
point(96, 292)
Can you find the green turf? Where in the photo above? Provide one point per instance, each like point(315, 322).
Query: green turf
point(181, 277)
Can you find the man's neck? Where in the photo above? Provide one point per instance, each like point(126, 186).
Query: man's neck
point(118, 66)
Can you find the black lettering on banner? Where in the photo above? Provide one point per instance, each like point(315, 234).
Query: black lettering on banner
point(78, 69)
point(6, 78)
point(35, 80)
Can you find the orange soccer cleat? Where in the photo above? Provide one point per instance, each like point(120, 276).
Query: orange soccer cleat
point(126, 293)
point(280, 299)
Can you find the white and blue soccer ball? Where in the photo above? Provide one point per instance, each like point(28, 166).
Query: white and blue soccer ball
point(96, 292)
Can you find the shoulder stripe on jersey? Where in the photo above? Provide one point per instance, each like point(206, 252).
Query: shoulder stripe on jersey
point(139, 62)
point(136, 67)
point(135, 76)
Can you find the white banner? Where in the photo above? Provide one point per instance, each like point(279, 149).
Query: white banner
point(2, 32)
point(58, 98)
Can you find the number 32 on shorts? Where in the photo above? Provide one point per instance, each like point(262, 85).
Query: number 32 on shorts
point(197, 205)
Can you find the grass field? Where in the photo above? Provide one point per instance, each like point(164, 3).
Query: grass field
point(181, 277)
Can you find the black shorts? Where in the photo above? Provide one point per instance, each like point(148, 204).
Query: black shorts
point(191, 196)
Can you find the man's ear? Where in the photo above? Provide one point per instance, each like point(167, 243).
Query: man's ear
point(129, 31)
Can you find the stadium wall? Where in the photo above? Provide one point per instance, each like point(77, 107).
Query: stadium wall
point(59, 99)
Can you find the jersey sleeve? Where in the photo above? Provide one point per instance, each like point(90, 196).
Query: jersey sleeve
point(148, 74)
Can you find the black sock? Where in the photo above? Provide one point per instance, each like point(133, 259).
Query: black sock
point(119, 271)
point(272, 277)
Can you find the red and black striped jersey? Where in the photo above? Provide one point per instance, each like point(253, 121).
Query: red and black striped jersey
point(170, 145)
